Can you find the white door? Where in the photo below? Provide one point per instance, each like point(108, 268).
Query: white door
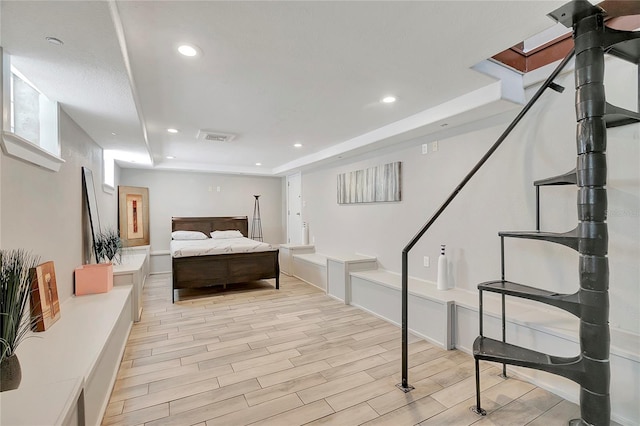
point(294, 209)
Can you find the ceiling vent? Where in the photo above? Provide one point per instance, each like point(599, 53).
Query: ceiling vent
point(213, 136)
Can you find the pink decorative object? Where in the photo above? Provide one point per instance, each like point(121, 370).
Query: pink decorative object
point(91, 279)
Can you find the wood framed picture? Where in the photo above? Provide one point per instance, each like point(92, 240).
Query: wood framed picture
point(133, 218)
point(45, 306)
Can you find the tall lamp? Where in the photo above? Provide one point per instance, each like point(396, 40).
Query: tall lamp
point(256, 225)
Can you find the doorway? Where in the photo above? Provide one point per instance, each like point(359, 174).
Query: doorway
point(294, 209)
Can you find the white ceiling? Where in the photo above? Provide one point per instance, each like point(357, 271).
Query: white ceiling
point(273, 73)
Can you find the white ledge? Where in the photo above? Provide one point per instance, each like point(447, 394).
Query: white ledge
point(108, 188)
point(15, 146)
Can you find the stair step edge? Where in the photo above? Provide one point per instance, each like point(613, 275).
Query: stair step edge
point(569, 178)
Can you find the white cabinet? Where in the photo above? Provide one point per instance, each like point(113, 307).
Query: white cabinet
point(338, 270)
point(133, 270)
point(286, 253)
point(69, 370)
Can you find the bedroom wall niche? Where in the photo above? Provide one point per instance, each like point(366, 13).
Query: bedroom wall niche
point(376, 184)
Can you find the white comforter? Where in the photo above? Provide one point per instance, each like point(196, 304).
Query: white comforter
point(185, 248)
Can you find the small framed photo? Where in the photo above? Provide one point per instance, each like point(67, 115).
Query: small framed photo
point(45, 306)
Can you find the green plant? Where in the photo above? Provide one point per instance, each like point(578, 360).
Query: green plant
point(108, 246)
point(15, 291)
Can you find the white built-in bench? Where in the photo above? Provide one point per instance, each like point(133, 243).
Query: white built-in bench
point(286, 253)
point(339, 269)
point(133, 270)
point(329, 272)
point(311, 268)
point(430, 310)
point(68, 371)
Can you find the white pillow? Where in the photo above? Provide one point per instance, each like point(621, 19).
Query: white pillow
point(188, 235)
point(219, 235)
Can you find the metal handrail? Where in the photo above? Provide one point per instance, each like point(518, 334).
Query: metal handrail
point(405, 252)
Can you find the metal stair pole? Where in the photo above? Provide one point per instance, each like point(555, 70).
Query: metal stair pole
point(591, 137)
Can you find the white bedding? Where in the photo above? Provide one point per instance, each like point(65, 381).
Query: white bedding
point(186, 248)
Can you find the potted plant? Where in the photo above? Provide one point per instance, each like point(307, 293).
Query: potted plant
point(98, 278)
point(108, 246)
point(15, 319)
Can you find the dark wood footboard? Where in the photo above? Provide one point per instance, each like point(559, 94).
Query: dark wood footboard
point(220, 269)
point(225, 268)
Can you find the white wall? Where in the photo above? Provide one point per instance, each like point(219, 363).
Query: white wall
point(195, 194)
point(43, 211)
point(500, 197)
point(1, 115)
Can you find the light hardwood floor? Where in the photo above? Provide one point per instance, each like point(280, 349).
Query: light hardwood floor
point(256, 355)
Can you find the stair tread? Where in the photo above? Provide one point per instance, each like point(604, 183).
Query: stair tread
point(565, 13)
point(538, 234)
point(619, 121)
point(568, 178)
point(491, 349)
point(621, 8)
point(627, 51)
point(569, 239)
point(566, 302)
point(515, 289)
point(616, 116)
point(488, 349)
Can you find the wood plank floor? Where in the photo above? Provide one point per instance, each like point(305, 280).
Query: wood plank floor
point(255, 355)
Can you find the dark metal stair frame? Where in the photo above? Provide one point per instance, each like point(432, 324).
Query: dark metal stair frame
point(404, 385)
point(569, 178)
point(567, 302)
point(590, 369)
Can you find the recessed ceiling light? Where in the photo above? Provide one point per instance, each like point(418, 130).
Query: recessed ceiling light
point(54, 40)
point(388, 99)
point(188, 50)
point(258, 164)
point(170, 157)
point(172, 130)
point(114, 133)
point(297, 145)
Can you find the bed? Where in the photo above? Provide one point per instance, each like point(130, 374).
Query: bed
point(196, 271)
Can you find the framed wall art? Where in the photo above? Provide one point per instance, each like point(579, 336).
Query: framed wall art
point(92, 208)
point(377, 184)
point(133, 218)
point(45, 306)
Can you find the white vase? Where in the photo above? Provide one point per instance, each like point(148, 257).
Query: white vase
point(443, 283)
point(305, 233)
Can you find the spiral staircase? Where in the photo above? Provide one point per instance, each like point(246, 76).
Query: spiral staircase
point(590, 368)
point(593, 39)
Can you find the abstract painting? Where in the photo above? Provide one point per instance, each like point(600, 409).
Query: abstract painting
point(134, 215)
point(373, 185)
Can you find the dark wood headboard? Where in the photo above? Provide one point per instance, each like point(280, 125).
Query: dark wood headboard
point(208, 224)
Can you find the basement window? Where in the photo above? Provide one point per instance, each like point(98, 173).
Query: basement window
point(109, 170)
point(30, 123)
